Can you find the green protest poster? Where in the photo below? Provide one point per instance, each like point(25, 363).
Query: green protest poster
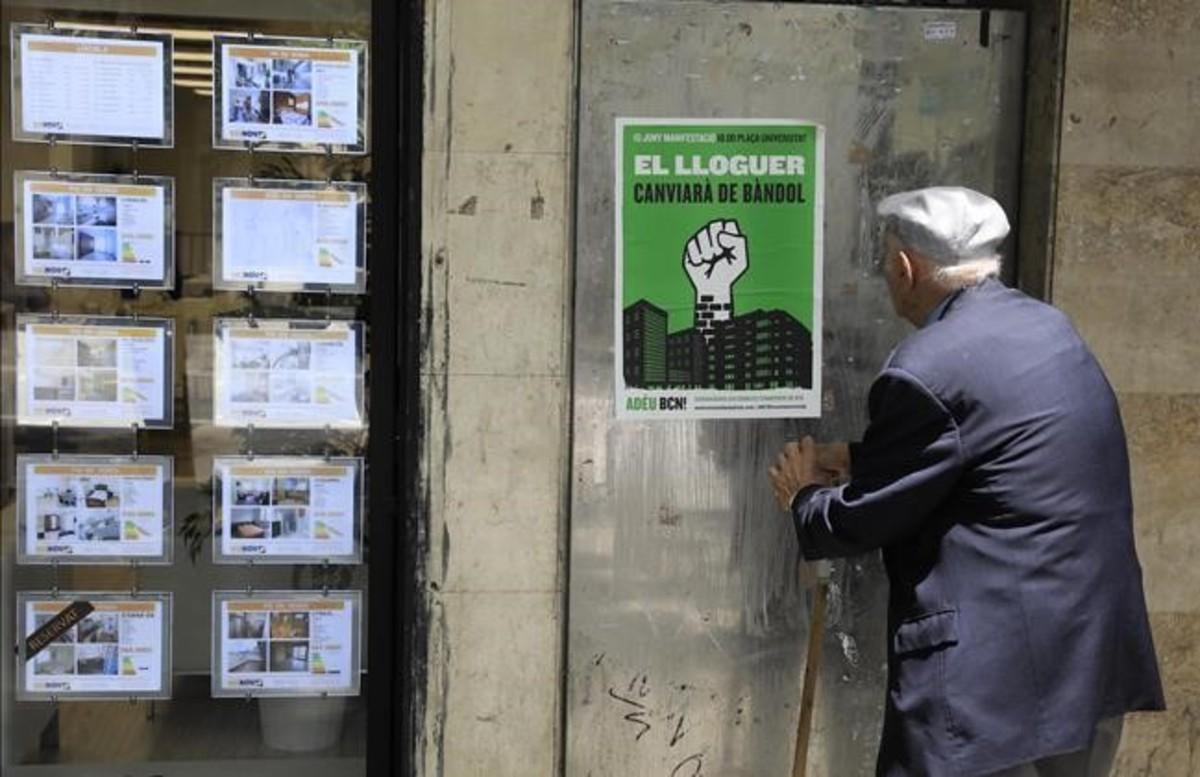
point(718, 268)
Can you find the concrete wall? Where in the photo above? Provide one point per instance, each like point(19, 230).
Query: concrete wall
point(496, 268)
point(1127, 270)
point(496, 264)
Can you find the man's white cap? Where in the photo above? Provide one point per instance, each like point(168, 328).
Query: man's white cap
point(949, 224)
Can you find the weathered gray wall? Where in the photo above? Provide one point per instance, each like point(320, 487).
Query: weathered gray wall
point(495, 264)
point(1127, 269)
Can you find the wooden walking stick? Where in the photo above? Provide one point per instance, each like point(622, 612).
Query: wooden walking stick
point(812, 669)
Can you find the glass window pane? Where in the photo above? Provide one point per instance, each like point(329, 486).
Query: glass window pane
point(151, 176)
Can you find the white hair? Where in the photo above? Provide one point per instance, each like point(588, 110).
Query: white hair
point(968, 273)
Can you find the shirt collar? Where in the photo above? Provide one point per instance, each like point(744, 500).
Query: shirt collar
point(939, 311)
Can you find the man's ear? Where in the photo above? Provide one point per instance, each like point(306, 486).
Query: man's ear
point(908, 268)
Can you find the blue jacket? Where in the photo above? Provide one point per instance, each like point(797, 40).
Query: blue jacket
point(994, 476)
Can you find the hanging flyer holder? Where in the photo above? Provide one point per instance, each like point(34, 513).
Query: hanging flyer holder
point(91, 87)
point(287, 510)
point(119, 649)
point(86, 509)
point(82, 229)
point(289, 235)
point(290, 94)
point(95, 372)
point(288, 374)
point(286, 643)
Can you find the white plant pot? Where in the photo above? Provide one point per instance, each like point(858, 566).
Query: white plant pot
point(301, 725)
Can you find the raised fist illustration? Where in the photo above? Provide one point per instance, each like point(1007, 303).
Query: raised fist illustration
point(714, 258)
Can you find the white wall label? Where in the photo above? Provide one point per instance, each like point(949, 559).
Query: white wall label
point(941, 30)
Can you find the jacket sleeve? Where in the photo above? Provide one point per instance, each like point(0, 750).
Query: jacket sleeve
point(907, 463)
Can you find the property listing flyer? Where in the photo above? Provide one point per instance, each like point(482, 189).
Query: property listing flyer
point(286, 509)
point(287, 643)
point(93, 508)
point(718, 268)
point(281, 92)
point(78, 371)
point(120, 649)
point(103, 88)
point(288, 374)
point(99, 230)
point(289, 235)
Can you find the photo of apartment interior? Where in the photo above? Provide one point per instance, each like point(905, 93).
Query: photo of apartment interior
point(291, 388)
point(97, 385)
point(293, 108)
point(99, 627)
point(291, 491)
point(289, 625)
point(54, 243)
point(97, 659)
point(249, 106)
point(253, 387)
point(253, 73)
point(246, 657)
point(292, 73)
point(248, 523)
point(100, 495)
point(96, 352)
point(56, 526)
point(55, 660)
point(51, 385)
point(41, 619)
point(96, 211)
point(53, 209)
point(105, 527)
point(252, 491)
point(247, 625)
point(289, 656)
point(96, 244)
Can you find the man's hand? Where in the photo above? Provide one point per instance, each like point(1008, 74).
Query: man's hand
point(795, 470)
point(833, 459)
point(805, 464)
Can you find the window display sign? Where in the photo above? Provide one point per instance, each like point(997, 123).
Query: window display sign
point(94, 509)
point(98, 87)
point(95, 372)
point(287, 509)
point(94, 230)
point(286, 643)
point(290, 94)
point(288, 374)
point(120, 649)
point(290, 235)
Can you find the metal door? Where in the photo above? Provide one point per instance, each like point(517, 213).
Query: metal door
point(688, 616)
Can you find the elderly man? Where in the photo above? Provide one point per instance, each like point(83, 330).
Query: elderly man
point(994, 476)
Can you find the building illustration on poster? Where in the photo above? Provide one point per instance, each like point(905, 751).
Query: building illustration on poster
point(718, 268)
